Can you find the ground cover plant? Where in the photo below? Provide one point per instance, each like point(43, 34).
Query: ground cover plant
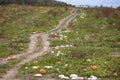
point(84, 48)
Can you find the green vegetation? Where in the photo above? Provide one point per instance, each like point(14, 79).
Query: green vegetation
point(18, 22)
point(4, 68)
point(35, 2)
point(89, 40)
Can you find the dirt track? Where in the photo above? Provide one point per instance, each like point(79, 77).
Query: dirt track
point(30, 53)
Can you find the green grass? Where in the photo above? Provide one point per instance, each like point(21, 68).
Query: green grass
point(4, 68)
point(93, 39)
point(18, 22)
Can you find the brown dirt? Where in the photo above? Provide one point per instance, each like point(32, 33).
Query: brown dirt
point(30, 54)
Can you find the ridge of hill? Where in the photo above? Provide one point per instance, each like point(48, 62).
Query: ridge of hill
point(35, 2)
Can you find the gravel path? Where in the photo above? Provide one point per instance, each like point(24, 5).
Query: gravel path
point(30, 54)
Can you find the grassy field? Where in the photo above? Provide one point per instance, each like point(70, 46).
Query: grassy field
point(18, 22)
point(90, 40)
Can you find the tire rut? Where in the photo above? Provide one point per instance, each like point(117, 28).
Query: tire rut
point(30, 54)
point(31, 49)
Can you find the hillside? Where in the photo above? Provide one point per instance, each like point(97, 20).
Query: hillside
point(88, 48)
point(34, 2)
point(56, 43)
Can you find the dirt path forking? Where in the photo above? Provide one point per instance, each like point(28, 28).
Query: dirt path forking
point(30, 54)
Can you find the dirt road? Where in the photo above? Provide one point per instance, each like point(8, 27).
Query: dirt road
point(30, 54)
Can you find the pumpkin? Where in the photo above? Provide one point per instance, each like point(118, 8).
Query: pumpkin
point(58, 62)
point(94, 67)
point(52, 35)
point(11, 58)
point(42, 71)
point(35, 62)
point(37, 75)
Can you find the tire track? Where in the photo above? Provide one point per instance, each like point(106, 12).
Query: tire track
point(30, 55)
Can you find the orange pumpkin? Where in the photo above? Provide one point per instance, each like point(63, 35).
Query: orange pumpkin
point(58, 62)
point(11, 58)
point(94, 67)
point(42, 71)
point(52, 35)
